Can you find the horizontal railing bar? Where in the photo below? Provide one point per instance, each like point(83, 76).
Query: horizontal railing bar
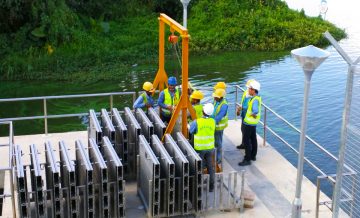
point(65, 96)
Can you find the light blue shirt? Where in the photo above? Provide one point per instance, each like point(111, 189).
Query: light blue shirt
point(162, 98)
point(139, 103)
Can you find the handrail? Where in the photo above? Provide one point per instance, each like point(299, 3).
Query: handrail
point(267, 108)
point(45, 115)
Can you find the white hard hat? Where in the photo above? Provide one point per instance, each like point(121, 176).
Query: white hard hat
point(208, 109)
point(248, 83)
point(255, 85)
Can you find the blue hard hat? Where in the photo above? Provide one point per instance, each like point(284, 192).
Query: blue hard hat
point(172, 81)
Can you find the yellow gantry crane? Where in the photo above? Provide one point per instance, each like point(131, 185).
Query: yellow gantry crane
point(162, 78)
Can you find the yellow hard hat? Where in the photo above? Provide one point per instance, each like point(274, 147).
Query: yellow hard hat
point(219, 93)
point(249, 82)
point(220, 85)
point(148, 86)
point(197, 95)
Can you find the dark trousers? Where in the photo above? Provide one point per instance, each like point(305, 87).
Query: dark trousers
point(242, 131)
point(165, 119)
point(206, 156)
point(250, 142)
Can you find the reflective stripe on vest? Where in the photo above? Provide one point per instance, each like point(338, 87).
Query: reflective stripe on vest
point(248, 118)
point(170, 101)
point(204, 138)
point(224, 121)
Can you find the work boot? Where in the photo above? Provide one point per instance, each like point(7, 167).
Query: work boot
point(218, 168)
point(245, 163)
point(253, 158)
point(205, 171)
point(242, 146)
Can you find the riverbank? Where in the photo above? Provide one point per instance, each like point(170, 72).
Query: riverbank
point(94, 49)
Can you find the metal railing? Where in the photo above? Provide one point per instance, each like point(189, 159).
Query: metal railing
point(323, 175)
point(9, 167)
point(46, 116)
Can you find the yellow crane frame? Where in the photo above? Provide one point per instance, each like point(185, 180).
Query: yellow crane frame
point(162, 78)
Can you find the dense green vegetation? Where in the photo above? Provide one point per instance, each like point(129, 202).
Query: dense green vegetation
point(101, 40)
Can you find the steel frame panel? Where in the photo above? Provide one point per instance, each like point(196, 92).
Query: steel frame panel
point(100, 178)
point(52, 171)
point(146, 125)
point(121, 138)
point(94, 130)
point(108, 127)
point(159, 126)
point(115, 170)
point(195, 171)
point(36, 181)
point(68, 179)
point(149, 178)
point(168, 174)
point(133, 148)
point(21, 183)
point(181, 172)
point(84, 173)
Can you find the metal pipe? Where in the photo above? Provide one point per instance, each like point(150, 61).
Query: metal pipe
point(264, 134)
point(111, 102)
point(45, 117)
point(317, 196)
point(236, 100)
point(11, 141)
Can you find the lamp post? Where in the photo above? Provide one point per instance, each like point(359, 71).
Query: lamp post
point(185, 4)
point(309, 57)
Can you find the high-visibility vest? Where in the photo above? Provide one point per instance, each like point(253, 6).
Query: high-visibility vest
point(199, 110)
point(224, 121)
point(168, 100)
point(204, 139)
point(145, 100)
point(243, 97)
point(248, 118)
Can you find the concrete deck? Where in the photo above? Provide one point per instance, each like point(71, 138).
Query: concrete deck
point(271, 177)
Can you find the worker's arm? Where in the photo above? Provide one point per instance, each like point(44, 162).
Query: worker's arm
point(139, 103)
point(150, 101)
point(222, 113)
point(255, 108)
point(193, 127)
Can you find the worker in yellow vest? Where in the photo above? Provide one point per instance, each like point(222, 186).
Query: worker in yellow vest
point(252, 118)
point(196, 97)
point(145, 100)
point(204, 141)
point(241, 110)
point(168, 99)
point(221, 118)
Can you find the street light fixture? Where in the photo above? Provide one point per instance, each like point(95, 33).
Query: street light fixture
point(185, 4)
point(309, 57)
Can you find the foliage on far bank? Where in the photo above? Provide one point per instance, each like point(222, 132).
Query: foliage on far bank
point(101, 40)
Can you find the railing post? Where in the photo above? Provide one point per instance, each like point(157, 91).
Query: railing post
point(45, 115)
point(11, 141)
point(236, 100)
point(134, 97)
point(264, 134)
point(317, 197)
point(111, 102)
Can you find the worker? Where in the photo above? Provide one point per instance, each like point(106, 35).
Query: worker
point(145, 100)
point(241, 110)
point(196, 97)
point(250, 121)
point(204, 129)
point(220, 85)
point(221, 118)
point(168, 99)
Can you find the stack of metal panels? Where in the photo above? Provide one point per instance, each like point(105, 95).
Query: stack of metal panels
point(108, 127)
point(68, 181)
point(182, 175)
point(148, 178)
point(21, 183)
point(52, 171)
point(167, 173)
point(94, 130)
point(146, 125)
point(134, 130)
point(115, 170)
point(100, 179)
point(159, 126)
point(195, 172)
point(37, 182)
point(121, 138)
point(84, 174)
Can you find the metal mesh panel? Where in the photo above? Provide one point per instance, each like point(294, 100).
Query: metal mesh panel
point(350, 189)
